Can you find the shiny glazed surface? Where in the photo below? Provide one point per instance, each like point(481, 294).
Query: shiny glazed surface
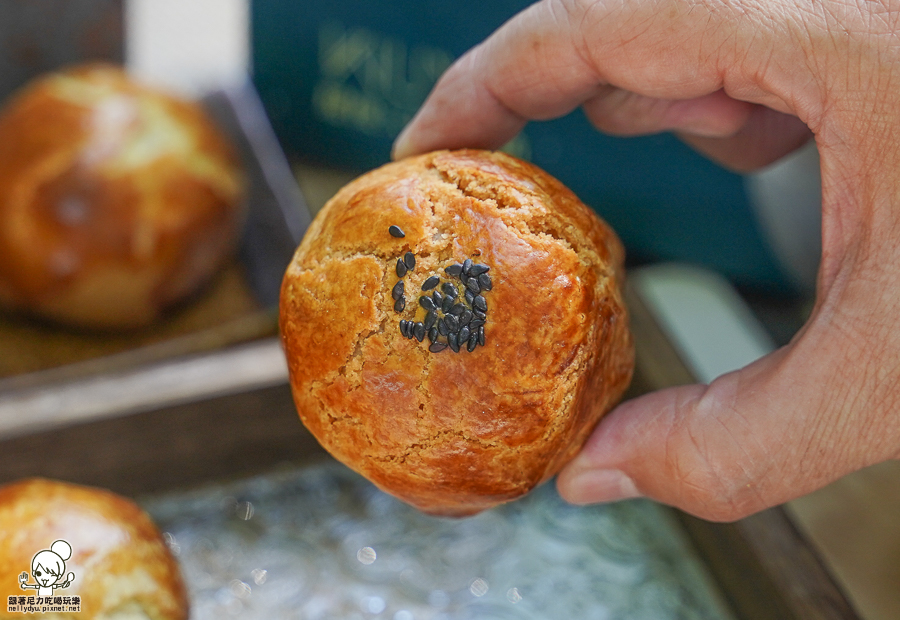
point(454, 433)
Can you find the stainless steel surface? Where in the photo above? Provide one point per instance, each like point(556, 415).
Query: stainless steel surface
point(320, 542)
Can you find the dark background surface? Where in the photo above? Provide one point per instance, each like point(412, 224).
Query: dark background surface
point(40, 35)
point(341, 78)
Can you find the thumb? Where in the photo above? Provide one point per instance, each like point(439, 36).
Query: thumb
point(752, 439)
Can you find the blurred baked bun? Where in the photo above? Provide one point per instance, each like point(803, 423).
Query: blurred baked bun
point(454, 328)
point(110, 554)
point(116, 201)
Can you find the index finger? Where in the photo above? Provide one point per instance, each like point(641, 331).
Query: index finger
point(528, 69)
point(557, 55)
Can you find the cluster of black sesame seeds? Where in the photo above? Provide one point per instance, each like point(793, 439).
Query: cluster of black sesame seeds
point(455, 308)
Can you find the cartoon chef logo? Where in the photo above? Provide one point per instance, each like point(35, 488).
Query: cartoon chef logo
point(48, 567)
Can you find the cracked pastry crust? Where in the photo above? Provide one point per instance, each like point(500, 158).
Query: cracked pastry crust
point(117, 201)
point(455, 433)
point(122, 566)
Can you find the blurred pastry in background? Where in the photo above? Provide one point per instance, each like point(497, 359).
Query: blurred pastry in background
point(117, 201)
point(65, 540)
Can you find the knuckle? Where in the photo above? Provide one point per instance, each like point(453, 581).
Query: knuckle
point(717, 481)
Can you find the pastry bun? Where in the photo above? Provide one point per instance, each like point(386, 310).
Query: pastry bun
point(516, 373)
point(116, 201)
point(119, 564)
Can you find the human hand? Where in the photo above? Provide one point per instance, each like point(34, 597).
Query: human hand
point(744, 82)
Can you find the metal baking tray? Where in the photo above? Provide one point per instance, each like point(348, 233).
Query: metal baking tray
point(202, 429)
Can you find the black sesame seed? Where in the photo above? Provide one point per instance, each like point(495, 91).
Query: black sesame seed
point(479, 314)
point(470, 297)
point(403, 325)
point(467, 265)
point(397, 291)
point(409, 259)
point(400, 304)
point(479, 303)
point(401, 268)
point(481, 335)
point(396, 231)
point(452, 323)
point(475, 324)
point(426, 303)
point(433, 334)
point(453, 342)
point(484, 280)
point(472, 285)
point(437, 298)
point(454, 270)
point(473, 342)
point(430, 319)
point(465, 317)
point(478, 269)
point(419, 331)
point(457, 309)
point(447, 303)
point(449, 290)
point(437, 347)
point(463, 334)
point(442, 327)
point(430, 283)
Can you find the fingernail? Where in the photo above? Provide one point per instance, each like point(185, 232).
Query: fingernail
point(599, 485)
point(401, 146)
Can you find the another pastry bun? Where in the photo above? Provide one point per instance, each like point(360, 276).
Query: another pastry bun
point(456, 406)
point(116, 200)
point(119, 564)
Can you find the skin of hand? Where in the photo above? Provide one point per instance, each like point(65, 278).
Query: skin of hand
point(744, 81)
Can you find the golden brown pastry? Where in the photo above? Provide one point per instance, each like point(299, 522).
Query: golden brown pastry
point(116, 201)
point(493, 394)
point(111, 554)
